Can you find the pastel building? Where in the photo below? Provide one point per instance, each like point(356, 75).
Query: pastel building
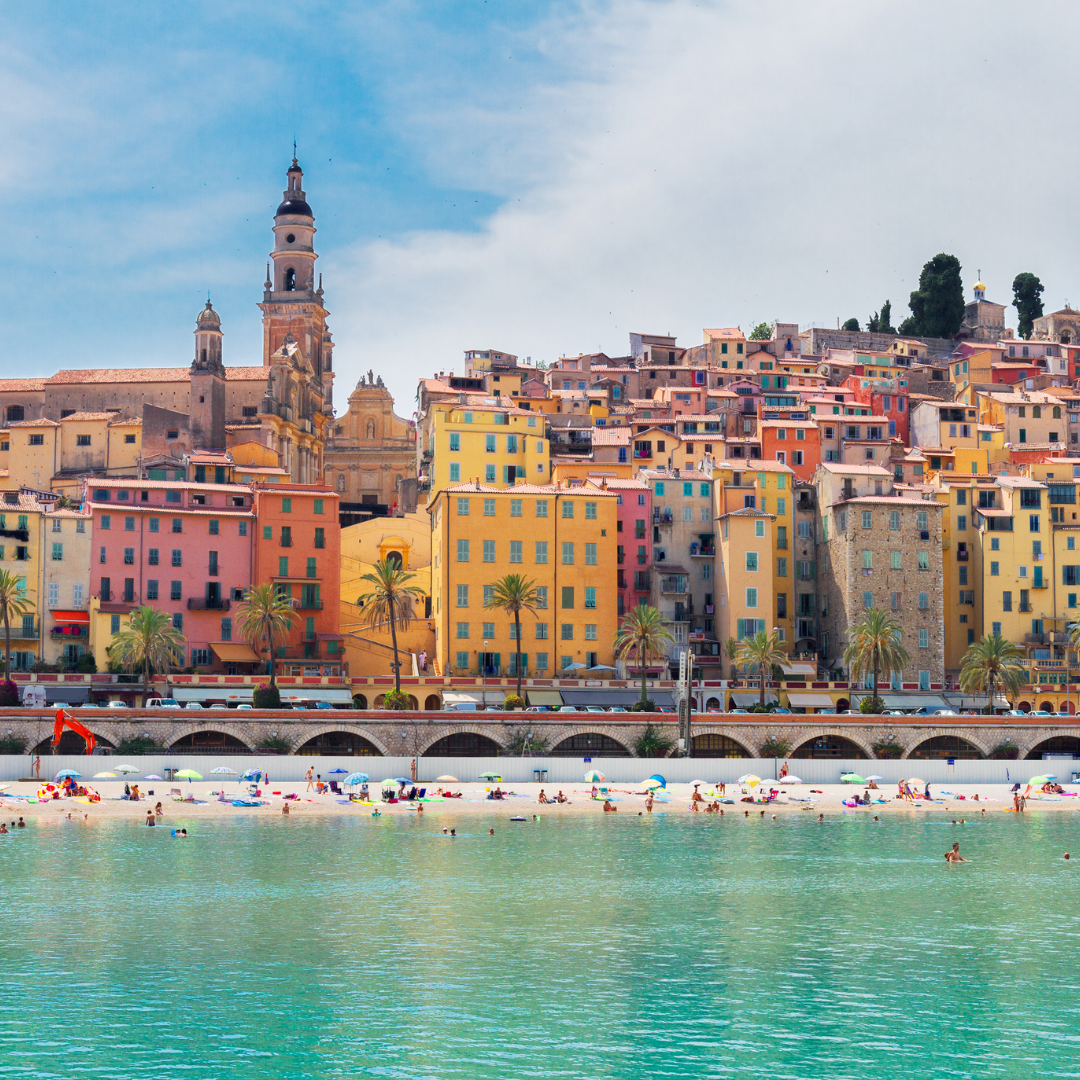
point(633, 533)
point(66, 541)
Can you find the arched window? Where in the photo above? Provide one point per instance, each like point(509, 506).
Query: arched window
point(204, 356)
point(1066, 337)
point(394, 559)
point(1036, 412)
point(371, 429)
point(290, 279)
point(1057, 412)
point(15, 412)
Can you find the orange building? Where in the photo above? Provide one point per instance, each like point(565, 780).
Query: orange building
point(298, 549)
point(796, 443)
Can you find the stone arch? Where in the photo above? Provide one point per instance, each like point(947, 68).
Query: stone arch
point(842, 704)
point(945, 744)
point(462, 740)
point(1024, 706)
point(1065, 338)
point(805, 739)
point(71, 742)
point(432, 703)
point(290, 279)
point(214, 740)
point(719, 744)
point(713, 702)
point(313, 731)
point(1053, 744)
point(1047, 706)
point(338, 740)
point(359, 701)
point(587, 742)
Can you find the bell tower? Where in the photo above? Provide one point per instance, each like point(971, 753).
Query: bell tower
point(207, 409)
point(292, 302)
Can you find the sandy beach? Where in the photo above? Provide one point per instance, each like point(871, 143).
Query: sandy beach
point(958, 801)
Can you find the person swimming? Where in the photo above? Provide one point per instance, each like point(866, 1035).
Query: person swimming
point(954, 855)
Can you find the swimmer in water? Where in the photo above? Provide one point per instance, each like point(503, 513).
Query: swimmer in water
point(285, 810)
point(954, 855)
point(821, 817)
point(149, 818)
point(491, 832)
point(453, 832)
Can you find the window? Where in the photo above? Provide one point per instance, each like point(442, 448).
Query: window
point(994, 569)
point(590, 555)
point(541, 631)
point(489, 444)
point(37, 440)
point(151, 589)
point(175, 590)
point(489, 630)
point(177, 525)
point(894, 601)
point(894, 520)
point(781, 567)
point(867, 600)
point(541, 508)
point(590, 511)
point(489, 595)
point(82, 440)
point(215, 527)
point(542, 597)
point(995, 543)
point(489, 474)
point(924, 560)
point(1033, 522)
point(515, 551)
point(462, 631)
point(311, 567)
point(805, 530)
point(867, 560)
point(867, 519)
point(568, 553)
point(541, 551)
point(751, 597)
point(58, 552)
point(489, 508)
point(1006, 601)
point(568, 509)
point(286, 504)
point(106, 521)
point(114, 620)
point(751, 561)
point(515, 508)
point(286, 536)
point(283, 566)
point(961, 522)
point(463, 507)
point(177, 557)
point(590, 596)
point(455, 441)
point(129, 556)
point(463, 596)
point(924, 601)
point(566, 634)
point(463, 551)
point(455, 472)
point(568, 597)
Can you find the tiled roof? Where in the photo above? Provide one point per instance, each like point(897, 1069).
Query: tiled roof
point(166, 485)
point(12, 386)
point(853, 470)
point(627, 485)
point(168, 510)
point(518, 489)
point(754, 466)
point(34, 423)
point(805, 424)
point(726, 332)
point(87, 416)
point(25, 502)
point(894, 500)
point(611, 436)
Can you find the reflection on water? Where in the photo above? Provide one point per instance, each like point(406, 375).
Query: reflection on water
point(593, 948)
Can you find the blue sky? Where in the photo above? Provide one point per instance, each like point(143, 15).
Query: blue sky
point(536, 177)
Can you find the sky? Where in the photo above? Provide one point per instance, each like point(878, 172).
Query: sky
point(537, 177)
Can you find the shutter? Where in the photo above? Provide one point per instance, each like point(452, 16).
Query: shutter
point(741, 632)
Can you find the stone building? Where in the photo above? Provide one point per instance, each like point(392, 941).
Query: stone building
point(983, 319)
point(1062, 325)
point(878, 549)
point(371, 455)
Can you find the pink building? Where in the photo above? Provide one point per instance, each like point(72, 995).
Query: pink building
point(183, 548)
point(634, 540)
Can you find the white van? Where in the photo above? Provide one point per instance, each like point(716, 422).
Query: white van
point(162, 703)
point(462, 706)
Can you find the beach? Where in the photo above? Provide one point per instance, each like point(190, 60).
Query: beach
point(957, 801)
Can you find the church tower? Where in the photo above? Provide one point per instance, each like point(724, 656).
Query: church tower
point(207, 409)
point(292, 304)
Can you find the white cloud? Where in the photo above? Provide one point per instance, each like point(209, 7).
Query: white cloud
point(716, 163)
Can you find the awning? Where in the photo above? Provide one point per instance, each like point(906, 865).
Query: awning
point(67, 694)
point(799, 667)
point(905, 701)
point(232, 694)
point(599, 696)
point(234, 652)
point(71, 616)
point(974, 704)
point(494, 697)
point(329, 637)
point(742, 700)
point(331, 695)
point(544, 697)
point(811, 701)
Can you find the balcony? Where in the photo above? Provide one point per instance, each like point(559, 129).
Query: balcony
point(306, 603)
point(961, 556)
point(662, 517)
point(700, 551)
point(27, 628)
point(204, 603)
point(286, 541)
point(675, 585)
point(1036, 639)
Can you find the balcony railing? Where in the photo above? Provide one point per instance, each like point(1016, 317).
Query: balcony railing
point(662, 517)
point(1036, 639)
point(204, 603)
point(309, 604)
point(25, 629)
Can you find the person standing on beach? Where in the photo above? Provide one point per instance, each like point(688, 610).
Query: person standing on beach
point(37, 767)
point(648, 802)
point(783, 771)
point(309, 777)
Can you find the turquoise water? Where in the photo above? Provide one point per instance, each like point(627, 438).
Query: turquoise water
point(583, 948)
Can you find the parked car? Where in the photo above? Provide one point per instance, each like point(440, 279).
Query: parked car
point(946, 712)
point(116, 703)
point(243, 706)
point(617, 708)
point(539, 708)
point(324, 705)
point(162, 703)
point(568, 708)
point(592, 708)
point(742, 712)
point(218, 705)
point(786, 712)
point(193, 705)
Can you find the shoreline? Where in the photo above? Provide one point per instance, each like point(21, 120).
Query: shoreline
point(521, 800)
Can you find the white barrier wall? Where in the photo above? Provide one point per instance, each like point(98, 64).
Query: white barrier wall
point(559, 770)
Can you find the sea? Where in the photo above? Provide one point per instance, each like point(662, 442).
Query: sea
point(592, 947)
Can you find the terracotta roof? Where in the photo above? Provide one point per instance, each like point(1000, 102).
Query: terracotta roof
point(611, 436)
point(34, 423)
point(805, 424)
point(87, 416)
point(669, 474)
point(122, 375)
point(893, 500)
point(853, 470)
point(25, 502)
point(754, 466)
point(166, 485)
point(167, 510)
point(518, 489)
point(726, 332)
point(129, 422)
point(627, 485)
point(12, 386)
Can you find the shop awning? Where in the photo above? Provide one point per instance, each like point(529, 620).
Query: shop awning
point(743, 700)
point(494, 697)
point(66, 694)
point(234, 652)
point(551, 698)
point(82, 617)
point(811, 701)
point(233, 694)
point(906, 701)
point(599, 696)
point(799, 667)
point(330, 694)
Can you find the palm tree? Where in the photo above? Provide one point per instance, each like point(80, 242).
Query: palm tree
point(514, 594)
point(643, 632)
point(149, 641)
point(389, 601)
point(992, 662)
point(763, 652)
point(265, 613)
point(732, 648)
point(13, 603)
point(874, 646)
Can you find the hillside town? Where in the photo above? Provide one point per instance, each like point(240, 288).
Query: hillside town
point(782, 481)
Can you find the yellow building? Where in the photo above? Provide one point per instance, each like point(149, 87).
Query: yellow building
point(65, 570)
point(21, 555)
point(406, 541)
point(562, 539)
point(494, 445)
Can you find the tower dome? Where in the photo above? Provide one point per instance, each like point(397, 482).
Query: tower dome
point(208, 318)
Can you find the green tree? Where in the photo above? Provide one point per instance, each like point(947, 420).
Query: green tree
point(643, 632)
point(937, 306)
point(763, 652)
point(989, 663)
point(13, 605)
point(761, 332)
point(881, 321)
point(389, 602)
point(874, 647)
point(149, 641)
point(514, 594)
point(731, 647)
point(265, 614)
point(852, 324)
point(1027, 299)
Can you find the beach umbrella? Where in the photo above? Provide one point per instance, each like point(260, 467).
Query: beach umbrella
point(188, 775)
point(489, 776)
point(593, 777)
point(68, 772)
point(152, 776)
point(789, 779)
point(4, 787)
point(126, 769)
point(251, 774)
point(652, 783)
point(447, 779)
point(657, 776)
point(913, 782)
point(104, 776)
point(355, 778)
point(748, 778)
point(1032, 782)
point(402, 780)
point(333, 772)
point(854, 778)
point(222, 769)
point(697, 783)
point(874, 777)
